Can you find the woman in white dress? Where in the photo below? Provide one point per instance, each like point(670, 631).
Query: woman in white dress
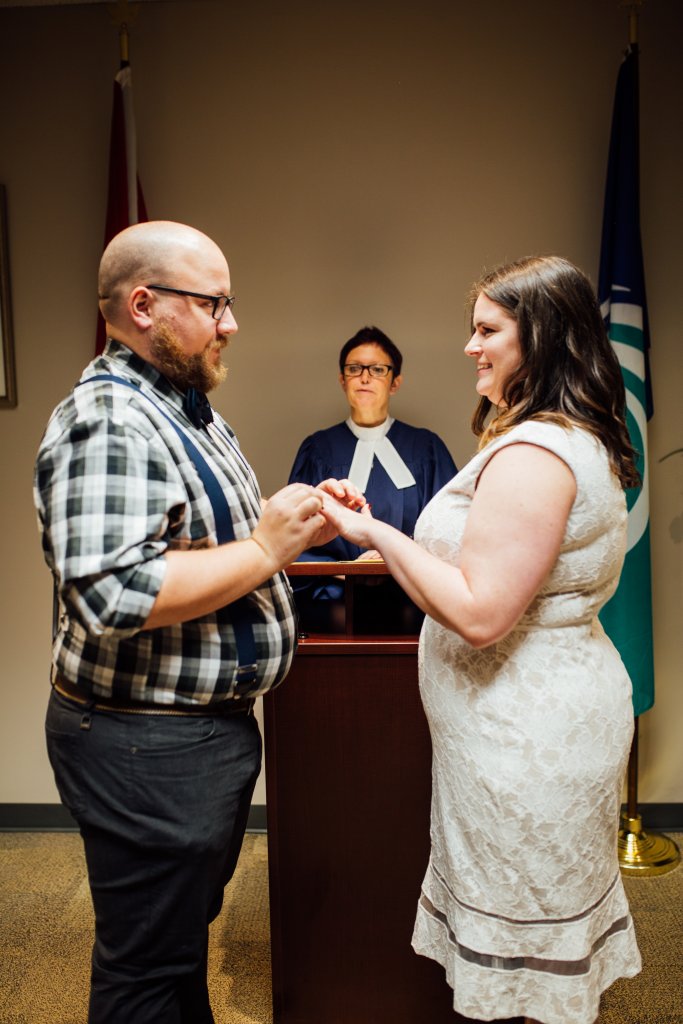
point(528, 702)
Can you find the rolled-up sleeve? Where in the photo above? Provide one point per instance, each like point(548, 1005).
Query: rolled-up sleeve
point(108, 497)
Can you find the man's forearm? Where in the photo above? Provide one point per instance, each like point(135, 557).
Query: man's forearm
point(199, 582)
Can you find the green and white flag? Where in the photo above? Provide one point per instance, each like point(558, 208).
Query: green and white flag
point(627, 617)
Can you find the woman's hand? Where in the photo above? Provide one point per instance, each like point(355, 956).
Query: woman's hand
point(344, 496)
point(343, 491)
point(353, 526)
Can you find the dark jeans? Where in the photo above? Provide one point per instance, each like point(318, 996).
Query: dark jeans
point(162, 805)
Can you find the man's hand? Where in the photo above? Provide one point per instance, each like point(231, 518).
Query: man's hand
point(290, 523)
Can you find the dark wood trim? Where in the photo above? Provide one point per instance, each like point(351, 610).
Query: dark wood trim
point(375, 568)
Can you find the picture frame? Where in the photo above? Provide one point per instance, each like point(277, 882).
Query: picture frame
point(8, 385)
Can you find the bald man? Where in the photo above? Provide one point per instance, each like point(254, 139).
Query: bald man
point(173, 615)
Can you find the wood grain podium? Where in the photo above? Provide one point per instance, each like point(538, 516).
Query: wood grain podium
point(348, 778)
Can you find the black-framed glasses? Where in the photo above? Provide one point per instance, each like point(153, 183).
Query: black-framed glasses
point(374, 369)
point(220, 302)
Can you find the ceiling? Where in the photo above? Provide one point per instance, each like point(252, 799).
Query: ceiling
point(64, 3)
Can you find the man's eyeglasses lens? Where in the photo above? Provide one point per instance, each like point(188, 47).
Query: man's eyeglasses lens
point(220, 302)
point(220, 305)
point(374, 369)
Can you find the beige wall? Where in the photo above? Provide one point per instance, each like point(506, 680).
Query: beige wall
point(360, 162)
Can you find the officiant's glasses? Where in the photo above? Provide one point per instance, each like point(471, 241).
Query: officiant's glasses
point(220, 302)
point(374, 369)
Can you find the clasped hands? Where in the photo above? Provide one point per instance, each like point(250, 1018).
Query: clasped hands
point(300, 516)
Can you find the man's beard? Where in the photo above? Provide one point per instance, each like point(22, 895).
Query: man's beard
point(196, 371)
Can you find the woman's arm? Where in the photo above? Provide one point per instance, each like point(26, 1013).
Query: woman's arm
point(512, 539)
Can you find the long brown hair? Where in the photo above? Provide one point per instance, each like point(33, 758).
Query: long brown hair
point(569, 372)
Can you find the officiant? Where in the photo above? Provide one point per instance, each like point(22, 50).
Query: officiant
point(397, 466)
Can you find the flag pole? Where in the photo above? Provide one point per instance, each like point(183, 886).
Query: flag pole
point(633, 14)
point(123, 43)
point(125, 202)
point(639, 852)
point(123, 15)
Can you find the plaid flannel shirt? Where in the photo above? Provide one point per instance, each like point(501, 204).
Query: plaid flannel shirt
point(114, 490)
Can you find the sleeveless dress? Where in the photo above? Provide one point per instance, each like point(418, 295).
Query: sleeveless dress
point(522, 902)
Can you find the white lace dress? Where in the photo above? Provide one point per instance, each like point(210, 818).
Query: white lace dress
point(522, 903)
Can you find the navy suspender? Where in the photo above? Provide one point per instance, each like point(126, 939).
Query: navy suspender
point(238, 612)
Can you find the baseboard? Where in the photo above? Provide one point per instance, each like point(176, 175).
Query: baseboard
point(56, 818)
point(257, 818)
point(660, 817)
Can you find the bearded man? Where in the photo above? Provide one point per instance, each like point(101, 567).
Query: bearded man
point(173, 615)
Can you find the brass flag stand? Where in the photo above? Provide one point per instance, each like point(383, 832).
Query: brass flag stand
point(640, 853)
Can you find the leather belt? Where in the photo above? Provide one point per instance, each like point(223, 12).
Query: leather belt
point(231, 706)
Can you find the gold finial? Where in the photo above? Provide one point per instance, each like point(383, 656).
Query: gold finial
point(123, 14)
point(634, 7)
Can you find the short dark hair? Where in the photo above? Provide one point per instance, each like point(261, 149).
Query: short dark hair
point(373, 336)
point(569, 371)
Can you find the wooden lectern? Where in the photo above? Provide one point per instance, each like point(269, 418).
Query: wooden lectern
point(348, 779)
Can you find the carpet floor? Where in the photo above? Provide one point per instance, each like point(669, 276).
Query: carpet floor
point(46, 929)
